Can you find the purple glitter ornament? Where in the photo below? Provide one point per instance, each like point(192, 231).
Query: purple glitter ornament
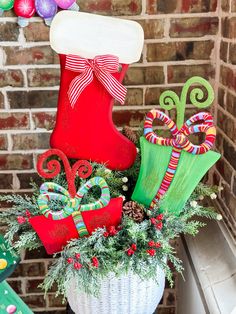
point(46, 9)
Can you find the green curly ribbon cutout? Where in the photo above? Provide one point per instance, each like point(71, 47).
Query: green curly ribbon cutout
point(169, 99)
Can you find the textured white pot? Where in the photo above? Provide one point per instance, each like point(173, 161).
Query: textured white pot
point(127, 294)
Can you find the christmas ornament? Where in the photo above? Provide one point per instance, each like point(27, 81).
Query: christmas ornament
point(10, 302)
point(67, 5)
point(11, 309)
point(181, 165)
point(134, 211)
point(46, 9)
point(74, 220)
point(3, 263)
point(24, 9)
point(89, 85)
point(8, 259)
point(5, 5)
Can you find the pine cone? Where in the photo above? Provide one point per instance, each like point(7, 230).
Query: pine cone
point(130, 134)
point(134, 211)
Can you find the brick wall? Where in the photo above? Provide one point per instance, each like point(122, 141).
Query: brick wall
point(226, 113)
point(182, 39)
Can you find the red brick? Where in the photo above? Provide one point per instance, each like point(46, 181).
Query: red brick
point(5, 181)
point(169, 297)
point(55, 301)
point(37, 254)
point(180, 73)
point(153, 29)
point(227, 125)
point(26, 179)
point(31, 141)
point(229, 200)
point(3, 142)
point(219, 144)
point(44, 120)
point(34, 301)
point(43, 77)
point(9, 121)
point(195, 6)
point(16, 161)
point(229, 153)
point(32, 99)
point(231, 104)
point(37, 31)
point(234, 185)
point(9, 32)
point(225, 170)
point(12, 78)
point(228, 77)
point(161, 6)
point(32, 285)
point(193, 27)
point(134, 97)
point(223, 50)
point(31, 269)
point(221, 97)
point(181, 6)
point(1, 101)
point(32, 55)
point(233, 5)
point(16, 285)
point(225, 5)
point(144, 75)
point(175, 51)
point(133, 118)
point(232, 55)
point(151, 96)
point(111, 7)
point(229, 27)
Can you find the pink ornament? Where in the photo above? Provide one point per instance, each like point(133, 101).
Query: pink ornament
point(46, 9)
point(11, 309)
point(67, 5)
point(24, 9)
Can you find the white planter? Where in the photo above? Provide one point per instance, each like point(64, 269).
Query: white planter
point(127, 294)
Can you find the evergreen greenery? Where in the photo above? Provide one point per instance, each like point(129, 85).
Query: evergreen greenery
point(136, 247)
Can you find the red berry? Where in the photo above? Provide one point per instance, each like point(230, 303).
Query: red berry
point(95, 262)
point(153, 221)
point(160, 217)
point(159, 225)
point(151, 243)
point(70, 260)
point(151, 252)
point(157, 245)
point(21, 220)
point(112, 231)
point(134, 247)
point(77, 265)
point(27, 213)
point(77, 256)
point(130, 252)
point(106, 234)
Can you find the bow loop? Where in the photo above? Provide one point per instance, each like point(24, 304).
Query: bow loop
point(107, 63)
point(101, 67)
point(72, 206)
point(180, 137)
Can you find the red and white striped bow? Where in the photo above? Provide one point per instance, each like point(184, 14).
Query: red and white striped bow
point(102, 67)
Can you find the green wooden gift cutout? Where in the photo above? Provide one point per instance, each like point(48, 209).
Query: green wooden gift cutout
point(155, 158)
